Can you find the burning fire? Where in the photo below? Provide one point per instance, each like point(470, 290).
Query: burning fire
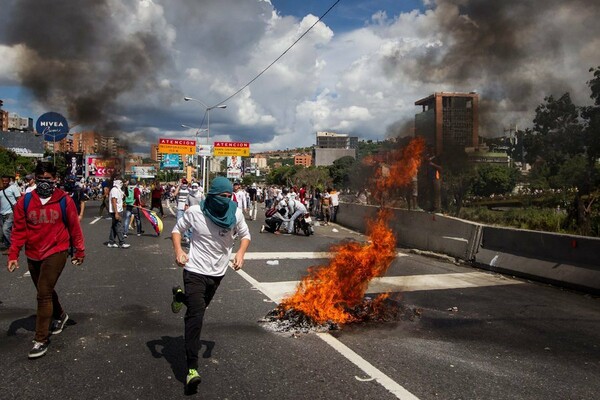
point(328, 293)
point(395, 169)
point(335, 293)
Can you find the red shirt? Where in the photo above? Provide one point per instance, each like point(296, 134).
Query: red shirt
point(43, 232)
point(302, 195)
point(137, 197)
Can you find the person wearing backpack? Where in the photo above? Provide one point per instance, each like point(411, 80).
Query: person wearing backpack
point(8, 198)
point(47, 224)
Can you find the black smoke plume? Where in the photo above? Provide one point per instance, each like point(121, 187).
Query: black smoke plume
point(75, 57)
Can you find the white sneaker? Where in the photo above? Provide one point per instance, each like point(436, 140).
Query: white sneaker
point(262, 228)
point(125, 246)
point(112, 245)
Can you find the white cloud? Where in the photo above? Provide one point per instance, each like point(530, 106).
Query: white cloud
point(359, 82)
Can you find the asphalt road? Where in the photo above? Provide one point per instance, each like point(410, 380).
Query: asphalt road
point(477, 336)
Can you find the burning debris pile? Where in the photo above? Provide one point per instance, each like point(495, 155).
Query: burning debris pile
point(379, 310)
point(334, 295)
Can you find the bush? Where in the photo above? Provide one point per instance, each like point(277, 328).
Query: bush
point(538, 219)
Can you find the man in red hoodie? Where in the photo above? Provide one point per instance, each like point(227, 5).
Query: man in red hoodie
point(47, 235)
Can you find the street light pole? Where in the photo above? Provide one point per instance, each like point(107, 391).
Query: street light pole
point(207, 109)
point(198, 130)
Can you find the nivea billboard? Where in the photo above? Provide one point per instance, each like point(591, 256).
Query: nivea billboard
point(53, 126)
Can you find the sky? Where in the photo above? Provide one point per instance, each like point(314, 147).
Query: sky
point(123, 67)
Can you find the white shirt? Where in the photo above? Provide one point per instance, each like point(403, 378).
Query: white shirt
point(295, 205)
point(335, 200)
point(242, 198)
point(182, 196)
point(115, 193)
point(211, 245)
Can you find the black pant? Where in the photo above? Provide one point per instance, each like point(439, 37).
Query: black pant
point(199, 291)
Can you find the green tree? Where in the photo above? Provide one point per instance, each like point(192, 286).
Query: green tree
point(283, 175)
point(557, 133)
point(12, 164)
point(313, 176)
point(457, 178)
point(340, 171)
point(494, 179)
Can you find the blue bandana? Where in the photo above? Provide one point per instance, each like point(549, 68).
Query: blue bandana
point(220, 210)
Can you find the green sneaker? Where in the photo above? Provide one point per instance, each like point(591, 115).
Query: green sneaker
point(177, 305)
point(193, 380)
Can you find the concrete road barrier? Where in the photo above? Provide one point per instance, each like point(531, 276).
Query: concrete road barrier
point(566, 260)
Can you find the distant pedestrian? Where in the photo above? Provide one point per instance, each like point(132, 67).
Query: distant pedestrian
point(8, 198)
point(30, 180)
point(335, 204)
point(195, 196)
point(137, 205)
point(181, 194)
point(129, 200)
point(157, 195)
point(117, 216)
point(47, 224)
point(77, 194)
point(215, 224)
point(326, 206)
point(253, 196)
point(105, 189)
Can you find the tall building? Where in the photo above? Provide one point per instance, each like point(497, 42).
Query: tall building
point(448, 118)
point(18, 123)
point(154, 152)
point(331, 140)
point(3, 120)
point(333, 146)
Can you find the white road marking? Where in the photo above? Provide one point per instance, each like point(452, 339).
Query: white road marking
point(299, 255)
point(276, 291)
point(95, 220)
point(392, 386)
point(345, 351)
point(411, 283)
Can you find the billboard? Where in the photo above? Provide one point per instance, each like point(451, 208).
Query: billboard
point(100, 167)
point(143, 171)
point(234, 167)
point(74, 163)
point(176, 146)
point(170, 161)
point(53, 126)
point(204, 150)
point(239, 149)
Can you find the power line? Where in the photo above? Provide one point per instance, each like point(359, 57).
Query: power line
point(282, 54)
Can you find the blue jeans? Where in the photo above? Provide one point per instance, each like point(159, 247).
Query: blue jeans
point(135, 212)
point(7, 223)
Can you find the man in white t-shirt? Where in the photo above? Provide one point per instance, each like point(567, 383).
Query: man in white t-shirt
point(115, 208)
point(215, 225)
point(30, 179)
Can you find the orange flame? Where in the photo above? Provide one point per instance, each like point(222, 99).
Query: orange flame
point(396, 168)
point(328, 293)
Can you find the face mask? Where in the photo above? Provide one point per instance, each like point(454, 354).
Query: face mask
point(194, 190)
point(118, 184)
point(217, 204)
point(184, 187)
point(45, 187)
